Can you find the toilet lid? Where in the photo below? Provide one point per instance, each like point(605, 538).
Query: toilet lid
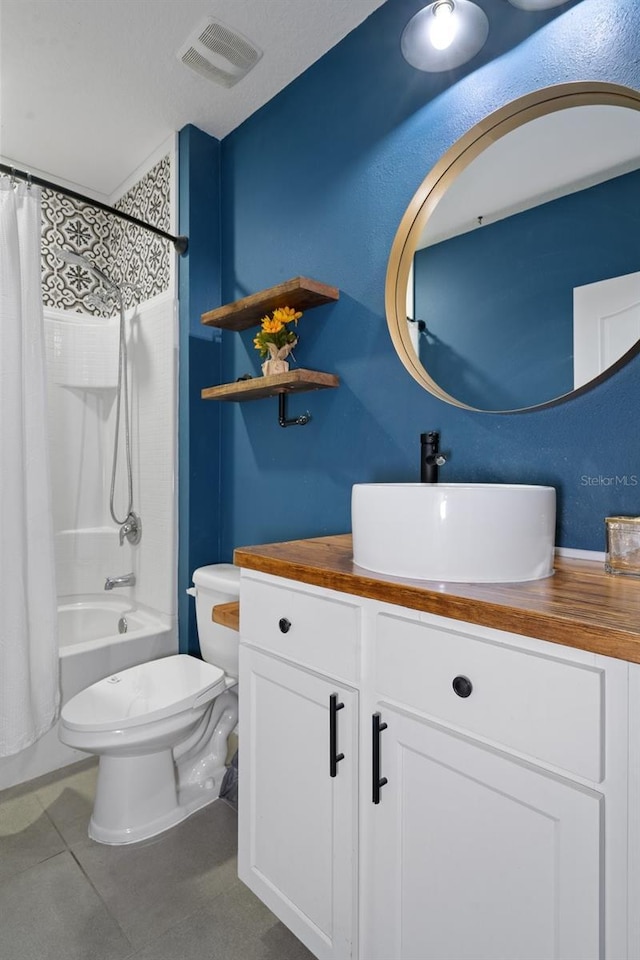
point(148, 691)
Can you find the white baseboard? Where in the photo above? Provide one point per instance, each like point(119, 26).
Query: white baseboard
point(574, 554)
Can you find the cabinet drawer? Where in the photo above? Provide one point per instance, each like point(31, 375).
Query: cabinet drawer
point(317, 632)
point(546, 708)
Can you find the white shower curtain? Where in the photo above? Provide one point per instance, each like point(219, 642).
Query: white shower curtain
point(29, 687)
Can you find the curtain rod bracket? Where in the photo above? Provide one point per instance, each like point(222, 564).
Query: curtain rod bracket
point(181, 244)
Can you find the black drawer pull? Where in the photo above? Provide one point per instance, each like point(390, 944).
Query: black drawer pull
point(284, 624)
point(462, 686)
point(377, 781)
point(334, 756)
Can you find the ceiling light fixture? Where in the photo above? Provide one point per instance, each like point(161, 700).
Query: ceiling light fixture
point(444, 35)
point(536, 4)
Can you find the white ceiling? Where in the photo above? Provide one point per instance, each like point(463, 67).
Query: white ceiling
point(89, 89)
point(549, 157)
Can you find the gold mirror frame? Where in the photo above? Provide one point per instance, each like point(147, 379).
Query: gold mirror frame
point(441, 177)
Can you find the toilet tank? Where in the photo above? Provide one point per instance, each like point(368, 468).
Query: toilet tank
point(214, 584)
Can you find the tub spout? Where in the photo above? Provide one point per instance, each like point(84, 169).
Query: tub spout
point(127, 580)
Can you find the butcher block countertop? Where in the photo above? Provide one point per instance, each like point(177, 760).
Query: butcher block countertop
point(579, 606)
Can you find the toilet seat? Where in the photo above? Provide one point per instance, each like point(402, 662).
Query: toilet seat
point(145, 693)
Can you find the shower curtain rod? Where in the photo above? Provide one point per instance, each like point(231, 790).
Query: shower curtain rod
point(180, 243)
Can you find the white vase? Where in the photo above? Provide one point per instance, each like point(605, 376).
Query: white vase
point(269, 367)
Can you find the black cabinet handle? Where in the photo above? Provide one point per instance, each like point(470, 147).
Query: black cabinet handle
point(462, 686)
point(378, 782)
point(334, 756)
point(284, 624)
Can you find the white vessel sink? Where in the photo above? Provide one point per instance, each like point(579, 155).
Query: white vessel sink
point(460, 532)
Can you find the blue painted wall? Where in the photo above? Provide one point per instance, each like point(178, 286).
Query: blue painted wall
point(199, 423)
point(315, 184)
point(503, 337)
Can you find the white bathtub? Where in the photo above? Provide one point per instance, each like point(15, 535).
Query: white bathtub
point(91, 647)
point(95, 622)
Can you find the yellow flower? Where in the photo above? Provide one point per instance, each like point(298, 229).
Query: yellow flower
point(274, 333)
point(287, 315)
point(272, 326)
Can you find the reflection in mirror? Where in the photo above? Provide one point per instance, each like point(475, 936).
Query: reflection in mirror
point(524, 283)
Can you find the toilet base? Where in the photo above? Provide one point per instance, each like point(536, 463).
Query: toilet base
point(140, 796)
point(146, 803)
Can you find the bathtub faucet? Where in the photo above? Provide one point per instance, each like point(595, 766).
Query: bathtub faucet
point(131, 529)
point(128, 580)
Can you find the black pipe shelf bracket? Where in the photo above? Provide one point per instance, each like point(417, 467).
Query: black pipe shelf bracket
point(285, 421)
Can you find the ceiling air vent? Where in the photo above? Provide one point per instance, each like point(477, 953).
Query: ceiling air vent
point(218, 53)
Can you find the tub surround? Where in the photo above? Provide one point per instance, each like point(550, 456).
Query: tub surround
point(579, 606)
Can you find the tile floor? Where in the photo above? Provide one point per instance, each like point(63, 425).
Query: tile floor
point(176, 897)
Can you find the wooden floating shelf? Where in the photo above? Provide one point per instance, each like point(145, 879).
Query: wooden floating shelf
point(301, 293)
point(294, 381)
point(227, 614)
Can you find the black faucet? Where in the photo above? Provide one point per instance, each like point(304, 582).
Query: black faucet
point(430, 457)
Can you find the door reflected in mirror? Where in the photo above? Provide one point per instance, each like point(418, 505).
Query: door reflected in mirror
point(515, 275)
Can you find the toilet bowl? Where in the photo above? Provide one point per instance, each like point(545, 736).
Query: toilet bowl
point(160, 728)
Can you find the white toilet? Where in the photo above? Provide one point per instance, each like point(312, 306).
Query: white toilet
point(161, 728)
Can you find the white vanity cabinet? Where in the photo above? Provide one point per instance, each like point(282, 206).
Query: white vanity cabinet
point(484, 816)
point(476, 854)
point(298, 805)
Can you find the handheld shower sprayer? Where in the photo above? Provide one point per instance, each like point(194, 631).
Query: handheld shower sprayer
point(108, 296)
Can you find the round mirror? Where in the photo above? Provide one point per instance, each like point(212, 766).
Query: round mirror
point(514, 277)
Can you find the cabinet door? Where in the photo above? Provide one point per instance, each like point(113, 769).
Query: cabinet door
point(477, 856)
point(297, 823)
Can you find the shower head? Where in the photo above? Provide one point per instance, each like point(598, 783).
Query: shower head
point(101, 300)
point(68, 256)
